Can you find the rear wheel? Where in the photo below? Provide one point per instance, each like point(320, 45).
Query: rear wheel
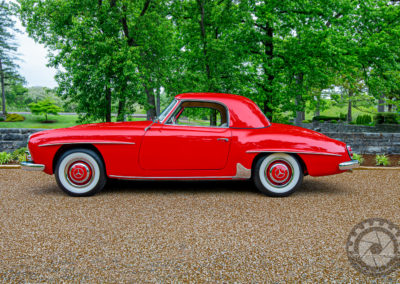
point(80, 172)
point(278, 174)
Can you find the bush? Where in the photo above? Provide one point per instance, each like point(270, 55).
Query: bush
point(359, 158)
point(14, 117)
point(280, 118)
point(325, 118)
point(19, 155)
point(352, 122)
point(363, 119)
point(306, 121)
point(333, 121)
point(387, 118)
point(382, 160)
point(1, 118)
point(4, 158)
point(343, 116)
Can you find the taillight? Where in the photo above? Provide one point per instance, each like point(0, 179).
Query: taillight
point(350, 151)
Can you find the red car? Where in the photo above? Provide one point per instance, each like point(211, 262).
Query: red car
point(199, 136)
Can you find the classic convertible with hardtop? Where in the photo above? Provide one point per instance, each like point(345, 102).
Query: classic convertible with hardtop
point(199, 136)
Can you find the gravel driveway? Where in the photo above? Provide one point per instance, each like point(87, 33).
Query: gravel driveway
point(187, 231)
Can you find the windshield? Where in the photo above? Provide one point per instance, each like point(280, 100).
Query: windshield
point(167, 110)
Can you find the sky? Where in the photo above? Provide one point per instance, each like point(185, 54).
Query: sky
point(33, 61)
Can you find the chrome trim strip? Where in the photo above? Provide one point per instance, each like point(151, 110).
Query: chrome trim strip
point(163, 178)
point(87, 142)
point(285, 151)
point(30, 166)
point(242, 172)
point(349, 165)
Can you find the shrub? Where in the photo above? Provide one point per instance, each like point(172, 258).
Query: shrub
point(387, 118)
point(44, 107)
point(14, 117)
point(19, 154)
point(1, 118)
point(306, 121)
point(359, 158)
point(333, 121)
point(280, 118)
point(363, 119)
point(382, 160)
point(325, 118)
point(4, 158)
point(352, 122)
point(343, 116)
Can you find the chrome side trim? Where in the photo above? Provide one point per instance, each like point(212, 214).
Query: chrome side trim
point(30, 166)
point(242, 172)
point(295, 152)
point(349, 165)
point(87, 142)
point(170, 178)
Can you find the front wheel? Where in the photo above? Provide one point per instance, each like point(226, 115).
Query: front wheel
point(278, 174)
point(80, 172)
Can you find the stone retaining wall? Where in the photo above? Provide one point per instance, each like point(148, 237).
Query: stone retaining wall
point(349, 128)
point(14, 138)
point(362, 143)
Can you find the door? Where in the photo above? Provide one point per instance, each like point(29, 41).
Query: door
point(196, 137)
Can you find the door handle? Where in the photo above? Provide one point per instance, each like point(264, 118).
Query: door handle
point(223, 139)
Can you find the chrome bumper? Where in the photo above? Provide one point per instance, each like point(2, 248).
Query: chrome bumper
point(31, 166)
point(349, 165)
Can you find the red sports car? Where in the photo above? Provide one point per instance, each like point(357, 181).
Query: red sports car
point(199, 136)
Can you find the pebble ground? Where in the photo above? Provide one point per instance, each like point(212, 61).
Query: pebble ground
point(188, 231)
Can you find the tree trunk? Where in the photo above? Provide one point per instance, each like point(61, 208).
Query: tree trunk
point(381, 104)
point(3, 94)
point(108, 105)
point(300, 114)
point(151, 112)
point(349, 108)
point(121, 109)
point(158, 102)
point(213, 118)
point(318, 107)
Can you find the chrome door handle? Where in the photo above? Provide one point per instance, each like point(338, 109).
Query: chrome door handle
point(223, 139)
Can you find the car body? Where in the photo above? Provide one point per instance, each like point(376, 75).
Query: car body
point(199, 136)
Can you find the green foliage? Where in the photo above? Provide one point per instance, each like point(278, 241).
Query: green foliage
point(19, 154)
point(382, 160)
point(44, 107)
point(280, 118)
point(14, 117)
point(343, 116)
point(359, 158)
point(352, 122)
point(325, 118)
point(306, 121)
point(4, 158)
point(387, 118)
point(363, 119)
point(1, 118)
point(333, 121)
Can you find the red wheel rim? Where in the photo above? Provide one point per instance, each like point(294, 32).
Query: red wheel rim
point(79, 173)
point(279, 173)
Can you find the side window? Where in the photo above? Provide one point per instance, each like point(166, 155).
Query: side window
point(200, 114)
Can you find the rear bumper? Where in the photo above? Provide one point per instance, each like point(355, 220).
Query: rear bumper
point(31, 166)
point(349, 165)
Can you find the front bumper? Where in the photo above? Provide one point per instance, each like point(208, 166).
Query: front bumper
point(31, 166)
point(349, 165)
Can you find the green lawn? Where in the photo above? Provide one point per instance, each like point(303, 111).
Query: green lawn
point(35, 121)
point(336, 111)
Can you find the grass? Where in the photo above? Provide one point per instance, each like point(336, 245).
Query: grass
point(337, 110)
point(35, 121)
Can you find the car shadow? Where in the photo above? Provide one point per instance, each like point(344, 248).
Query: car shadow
point(161, 187)
point(312, 186)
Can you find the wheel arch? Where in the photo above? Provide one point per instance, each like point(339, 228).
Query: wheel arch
point(67, 147)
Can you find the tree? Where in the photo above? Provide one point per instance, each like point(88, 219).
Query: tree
point(113, 52)
point(8, 48)
point(44, 107)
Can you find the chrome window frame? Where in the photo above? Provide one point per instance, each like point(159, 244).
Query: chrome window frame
point(164, 122)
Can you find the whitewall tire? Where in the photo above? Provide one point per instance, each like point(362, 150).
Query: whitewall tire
point(278, 174)
point(80, 172)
